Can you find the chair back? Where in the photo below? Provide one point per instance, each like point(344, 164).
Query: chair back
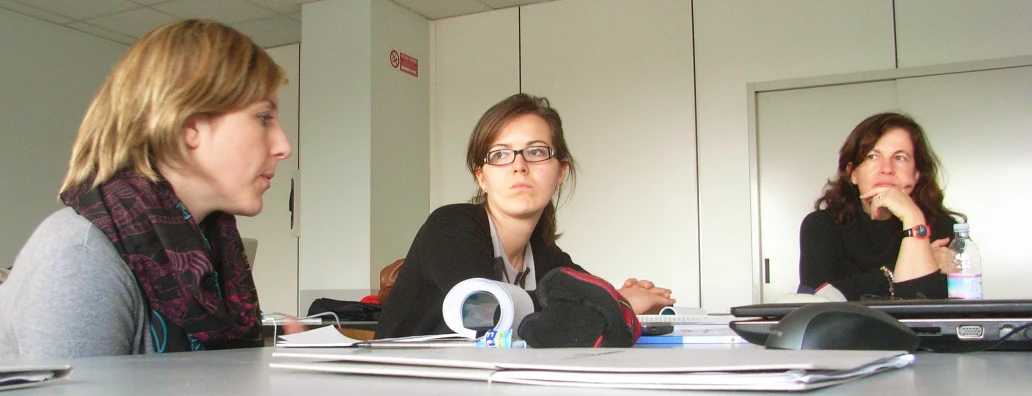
point(251, 249)
point(388, 275)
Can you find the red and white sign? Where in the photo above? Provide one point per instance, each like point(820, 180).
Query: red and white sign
point(405, 63)
point(395, 59)
point(409, 65)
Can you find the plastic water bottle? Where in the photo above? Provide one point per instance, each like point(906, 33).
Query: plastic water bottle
point(964, 279)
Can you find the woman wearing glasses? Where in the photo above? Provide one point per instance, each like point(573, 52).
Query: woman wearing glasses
point(518, 156)
point(880, 229)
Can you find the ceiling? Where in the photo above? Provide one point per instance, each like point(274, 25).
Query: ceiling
point(269, 23)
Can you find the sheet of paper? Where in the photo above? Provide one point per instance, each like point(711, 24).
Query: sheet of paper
point(330, 337)
point(326, 336)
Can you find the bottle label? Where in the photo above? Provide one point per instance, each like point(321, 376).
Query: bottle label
point(964, 286)
point(496, 339)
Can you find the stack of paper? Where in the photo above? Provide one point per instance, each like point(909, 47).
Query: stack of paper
point(13, 377)
point(630, 368)
point(330, 337)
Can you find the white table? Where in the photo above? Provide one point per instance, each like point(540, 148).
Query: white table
point(247, 372)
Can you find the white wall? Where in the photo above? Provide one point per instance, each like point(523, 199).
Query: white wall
point(400, 179)
point(627, 109)
point(48, 75)
point(334, 148)
point(931, 32)
point(741, 41)
point(463, 90)
point(364, 146)
point(628, 122)
point(735, 42)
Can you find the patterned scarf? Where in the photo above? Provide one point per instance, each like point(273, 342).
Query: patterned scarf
point(199, 289)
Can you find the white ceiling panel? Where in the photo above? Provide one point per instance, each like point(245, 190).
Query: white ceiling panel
point(103, 33)
point(34, 12)
point(438, 9)
point(135, 23)
point(499, 4)
point(225, 11)
point(268, 22)
point(272, 32)
point(78, 9)
point(282, 6)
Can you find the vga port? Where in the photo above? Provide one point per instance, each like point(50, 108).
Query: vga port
point(970, 332)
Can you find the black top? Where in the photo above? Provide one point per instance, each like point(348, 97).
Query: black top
point(850, 256)
point(454, 244)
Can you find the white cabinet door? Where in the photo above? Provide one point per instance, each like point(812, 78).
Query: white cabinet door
point(621, 76)
point(978, 122)
point(799, 133)
point(980, 125)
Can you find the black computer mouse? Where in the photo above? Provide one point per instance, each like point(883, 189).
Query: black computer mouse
point(841, 326)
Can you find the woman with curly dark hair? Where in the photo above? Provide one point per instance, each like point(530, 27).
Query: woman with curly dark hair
point(880, 229)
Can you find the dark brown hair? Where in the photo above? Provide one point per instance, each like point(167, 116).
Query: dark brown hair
point(841, 196)
point(487, 129)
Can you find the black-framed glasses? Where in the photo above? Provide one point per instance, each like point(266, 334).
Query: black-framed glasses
point(530, 154)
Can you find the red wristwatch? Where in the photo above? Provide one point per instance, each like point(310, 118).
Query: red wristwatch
point(919, 231)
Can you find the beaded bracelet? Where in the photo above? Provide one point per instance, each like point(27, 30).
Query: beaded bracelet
point(892, 282)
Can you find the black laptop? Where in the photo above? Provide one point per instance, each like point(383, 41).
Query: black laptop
point(944, 325)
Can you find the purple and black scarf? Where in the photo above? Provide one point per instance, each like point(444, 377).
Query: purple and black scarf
point(194, 277)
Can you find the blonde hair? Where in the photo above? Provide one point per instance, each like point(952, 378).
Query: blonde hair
point(178, 71)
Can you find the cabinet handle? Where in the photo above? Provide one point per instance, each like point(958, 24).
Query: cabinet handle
point(766, 270)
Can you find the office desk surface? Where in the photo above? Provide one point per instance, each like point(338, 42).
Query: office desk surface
point(247, 372)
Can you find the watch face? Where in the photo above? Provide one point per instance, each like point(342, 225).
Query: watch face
point(921, 231)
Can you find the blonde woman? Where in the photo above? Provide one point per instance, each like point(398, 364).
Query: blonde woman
point(146, 258)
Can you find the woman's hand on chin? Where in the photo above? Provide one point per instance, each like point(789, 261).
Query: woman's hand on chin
point(645, 297)
point(892, 200)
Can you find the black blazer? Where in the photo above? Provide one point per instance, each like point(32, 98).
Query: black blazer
point(454, 244)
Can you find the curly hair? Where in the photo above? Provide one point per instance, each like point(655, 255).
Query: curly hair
point(841, 196)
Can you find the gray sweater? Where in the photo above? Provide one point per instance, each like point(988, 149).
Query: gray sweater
point(70, 294)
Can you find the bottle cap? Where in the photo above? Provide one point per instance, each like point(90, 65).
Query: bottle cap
point(960, 227)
